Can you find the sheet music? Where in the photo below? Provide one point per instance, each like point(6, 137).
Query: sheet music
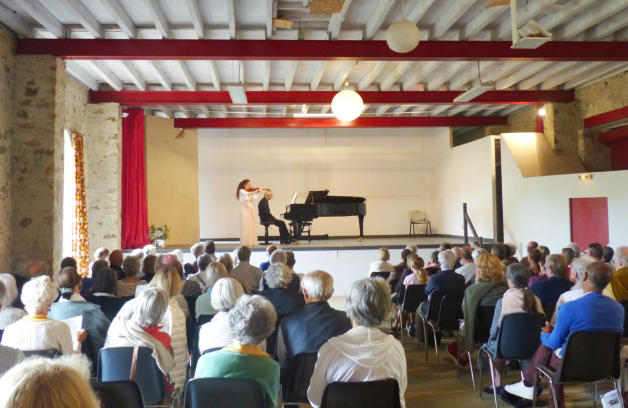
point(75, 323)
point(294, 198)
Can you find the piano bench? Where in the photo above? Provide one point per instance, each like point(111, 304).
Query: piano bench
point(266, 225)
point(308, 225)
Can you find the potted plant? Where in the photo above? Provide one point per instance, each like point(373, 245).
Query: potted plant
point(158, 235)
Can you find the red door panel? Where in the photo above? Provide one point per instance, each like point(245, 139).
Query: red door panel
point(589, 220)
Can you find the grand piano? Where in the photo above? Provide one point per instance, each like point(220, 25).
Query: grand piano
point(321, 204)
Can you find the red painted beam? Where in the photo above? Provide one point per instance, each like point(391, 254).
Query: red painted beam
point(148, 98)
point(604, 118)
point(384, 122)
point(614, 135)
point(304, 50)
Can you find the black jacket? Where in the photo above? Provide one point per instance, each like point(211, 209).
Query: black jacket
point(264, 211)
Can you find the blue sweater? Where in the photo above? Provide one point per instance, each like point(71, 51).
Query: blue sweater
point(592, 312)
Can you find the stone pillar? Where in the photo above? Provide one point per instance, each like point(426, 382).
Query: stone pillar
point(6, 113)
point(37, 158)
point(103, 171)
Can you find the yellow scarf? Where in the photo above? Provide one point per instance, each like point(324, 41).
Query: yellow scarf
point(248, 349)
point(35, 318)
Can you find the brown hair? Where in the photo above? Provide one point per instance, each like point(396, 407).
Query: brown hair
point(168, 279)
point(240, 187)
point(68, 278)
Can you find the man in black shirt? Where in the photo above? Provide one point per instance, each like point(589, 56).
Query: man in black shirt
point(266, 217)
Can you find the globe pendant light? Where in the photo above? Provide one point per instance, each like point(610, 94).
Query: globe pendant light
point(402, 36)
point(347, 105)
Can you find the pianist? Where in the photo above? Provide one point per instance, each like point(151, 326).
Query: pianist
point(266, 217)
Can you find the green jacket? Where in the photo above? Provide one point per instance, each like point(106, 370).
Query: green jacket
point(480, 293)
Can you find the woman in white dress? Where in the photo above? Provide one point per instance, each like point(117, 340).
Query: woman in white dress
point(248, 220)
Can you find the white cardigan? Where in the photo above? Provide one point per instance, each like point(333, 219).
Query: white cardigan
point(42, 334)
point(173, 323)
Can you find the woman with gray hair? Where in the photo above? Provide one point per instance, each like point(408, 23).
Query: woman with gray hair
point(8, 294)
point(364, 353)
point(141, 328)
point(252, 319)
point(36, 331)
point(278, 277)
point(213, 273)
point(217, 333)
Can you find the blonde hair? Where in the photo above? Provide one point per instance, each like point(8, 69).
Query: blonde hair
point(489, 268)
point(383, 254)
point(417, 265)
point(54, 383)
point(168, 279)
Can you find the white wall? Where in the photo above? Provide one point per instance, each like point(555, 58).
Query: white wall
point(537, 208)
point(464, 174)
point(395, 169)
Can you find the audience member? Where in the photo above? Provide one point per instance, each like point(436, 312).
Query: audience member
point(245, 271)
point(143, 327)
point(210, 249)
point(68, 261)
point(575, 248)
point(536, 267)
point(179, 254)
point(280, 256)
point(19, 270)
point(443, 246)
point(269, 251)
point(569, 254)
point(399, 288)
point(126, 287)
point(433, 263)
point(529, 247)
point(557, 283)
point(458, 251)
point(578, 269)
point(94, 269)
point(115, 263)
point(149, 266)
point(419, 275)
point(364, 353)
point(382, 264)
point(468, 266)
point(227, 261)
point(36, 331)
point(608, 254)
point(596, 251)
point(286, 302)
point(398, 269)
point(252, 320)
point(214, 272)
point(488, 289)
point(517, 299)
point(44, 382)
point(216, 333)
point(447, 280)
point(592, 312)
point(413, 248)
point(104, 292)
point(545, 252)
point(196, 250)
point(308, 329)
point(149, 249)
point(618, 288)
point(196, 283)
point(500, 250)
point(168, 279)
point(72, 304)
point(8, 294)
point(101, 254)
point(139, 253)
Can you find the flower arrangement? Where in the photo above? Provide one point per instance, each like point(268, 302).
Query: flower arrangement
point(159, 232)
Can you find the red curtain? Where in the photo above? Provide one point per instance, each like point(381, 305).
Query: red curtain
point(134, 209)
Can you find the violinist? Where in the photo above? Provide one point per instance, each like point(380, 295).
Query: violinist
point(246, 193)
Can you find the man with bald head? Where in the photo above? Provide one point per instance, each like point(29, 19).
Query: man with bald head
point(592, 312)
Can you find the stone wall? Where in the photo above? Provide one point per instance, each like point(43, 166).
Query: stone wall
point(6, 112)
point(37, 158)
point(103, 171)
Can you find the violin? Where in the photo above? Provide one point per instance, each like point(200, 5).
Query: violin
point(254, 189)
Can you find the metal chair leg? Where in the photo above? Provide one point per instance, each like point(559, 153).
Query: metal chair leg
point(400, 322)
point(480, 371)
point(435, 341)
point(617, 384)
point(492, 368)
point(471, 369)
point(551, 384)
point(594, 394)
point(536, 381)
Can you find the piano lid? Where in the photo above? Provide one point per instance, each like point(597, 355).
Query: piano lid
point(315, 197)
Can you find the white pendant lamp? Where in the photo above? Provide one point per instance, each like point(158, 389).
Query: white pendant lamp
point(347, 105)
point(402, 36)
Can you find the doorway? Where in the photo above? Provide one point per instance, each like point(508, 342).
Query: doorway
point(588, 218)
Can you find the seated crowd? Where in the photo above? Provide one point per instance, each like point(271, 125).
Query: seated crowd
point(224, 317)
